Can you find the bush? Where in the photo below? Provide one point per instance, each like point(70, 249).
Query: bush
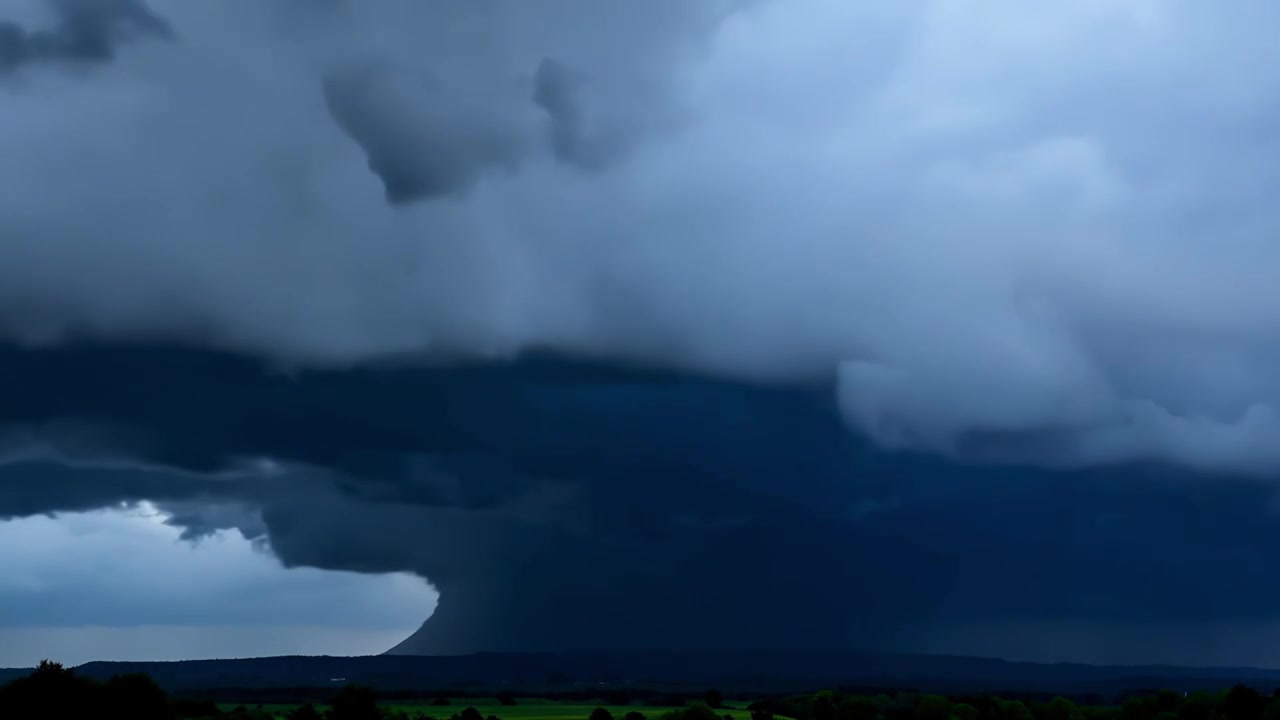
point(306, 711)
point(699, 711)
point(933, 707)
point(601, 714)
point(355, 702)
point(861, 707)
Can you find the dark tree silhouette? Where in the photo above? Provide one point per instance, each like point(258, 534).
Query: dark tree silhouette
point(471, 714)
point(933, 707)
point(601, 714)
point(824, 707)
point(306, 711)
point(1013, 710)
point(507, 698)
point(1272, 710)
point(1242, 703)
point(51, 691)
point(1061, 708)
point(699, 711)
point(1197, 706)
point(860, 707)
point(136, 696)
point(634, 715)
point(1167, 701)
point(441, 701)
point(714, 698)
point(355, 702)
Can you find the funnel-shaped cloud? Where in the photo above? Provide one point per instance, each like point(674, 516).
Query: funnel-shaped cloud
point(423, 138)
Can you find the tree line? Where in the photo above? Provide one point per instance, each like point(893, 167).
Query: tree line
point(53, 691)
point(1238, 703)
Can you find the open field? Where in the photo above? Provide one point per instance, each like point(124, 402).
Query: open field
point(525, 709)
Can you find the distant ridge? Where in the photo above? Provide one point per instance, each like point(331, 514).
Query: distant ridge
point(756, 671)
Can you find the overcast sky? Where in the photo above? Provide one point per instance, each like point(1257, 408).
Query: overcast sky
point(503, 294)
point(120, 583)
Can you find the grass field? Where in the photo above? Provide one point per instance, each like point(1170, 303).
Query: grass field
point(526, 709)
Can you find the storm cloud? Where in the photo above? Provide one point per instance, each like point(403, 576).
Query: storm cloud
point(681, 291)
point(422, 140)
point(85, 31)
point(508, 484)
point(1025, 245)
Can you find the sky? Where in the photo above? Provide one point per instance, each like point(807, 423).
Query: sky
point(932, 326)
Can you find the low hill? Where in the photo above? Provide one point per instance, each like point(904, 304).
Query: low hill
point(758, 672)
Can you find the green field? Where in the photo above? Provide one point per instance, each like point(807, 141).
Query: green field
point(525, 709)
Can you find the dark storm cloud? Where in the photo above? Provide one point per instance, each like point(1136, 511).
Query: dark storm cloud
point(87, 31)
point(511, 479)
point(508, 483)
point(995, 235)
point(989, 249)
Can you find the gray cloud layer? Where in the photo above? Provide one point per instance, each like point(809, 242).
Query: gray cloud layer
point(562, 505)
point(86, 31)
point(990, 232)
point(999, 230)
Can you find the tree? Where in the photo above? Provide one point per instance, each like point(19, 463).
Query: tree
point(1242, 703)
point(823, 706)
point(933, 707)
point(471, 714)
point(699, 711)
point(355, 702)
point(1138, 708)
point(633, 715)
point(601, 714)
point(52, 691)
point(1013, 710)
point(305, 711)
point(964, 711)
point(762, 714)
point(1061, 708)
point(1197, 706)
point(1272, 710)
point(714, 698)
point(857, 707)
point(136, 696)
point(507, 698)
